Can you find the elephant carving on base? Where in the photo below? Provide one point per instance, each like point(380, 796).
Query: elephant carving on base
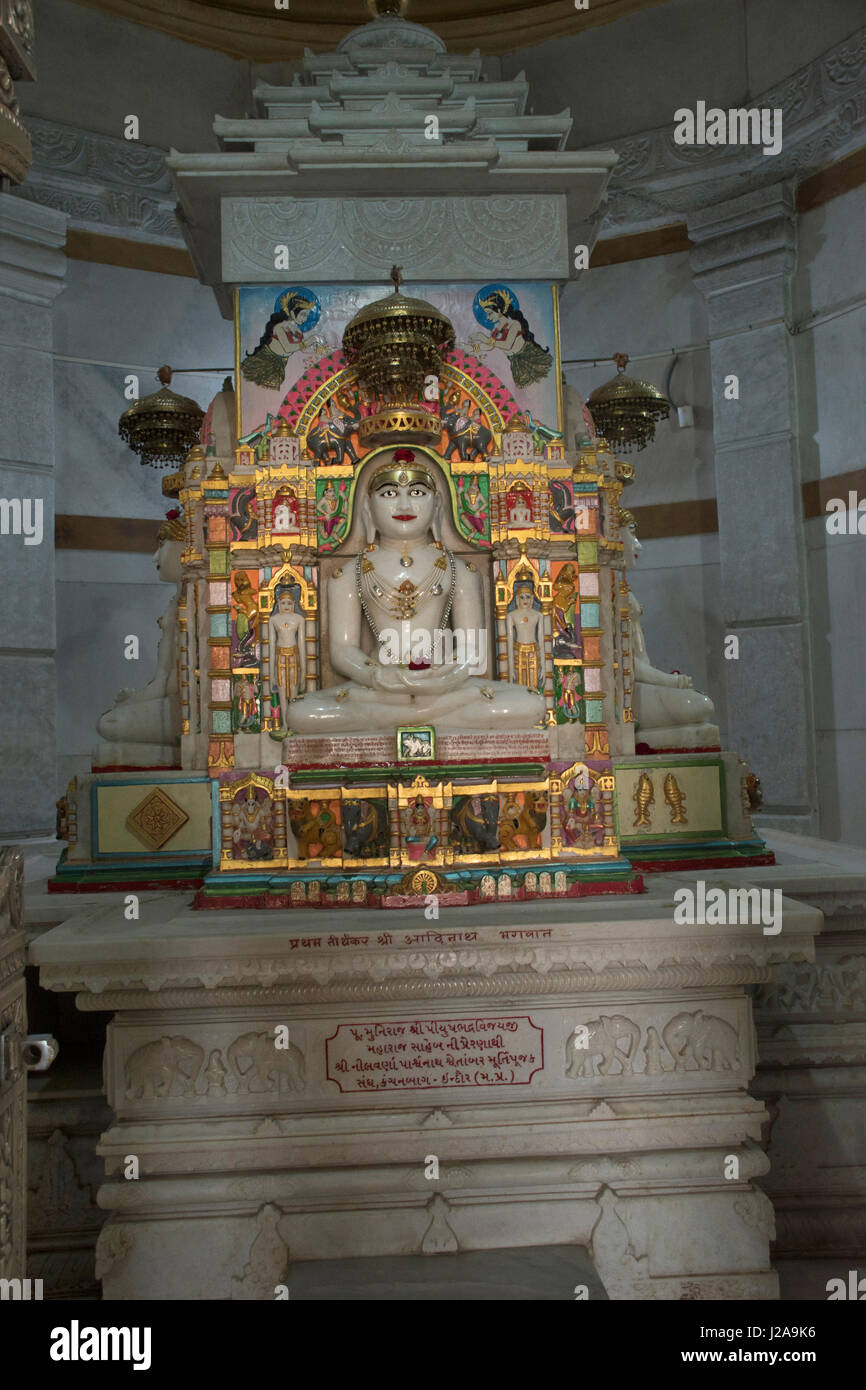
point(611, 1037)
point(708, 1043)
point(475, 823)
point(260, 1065)
point(153, 1068)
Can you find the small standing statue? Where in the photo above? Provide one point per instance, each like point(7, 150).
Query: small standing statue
point(524, 635)
point(287, 655)
point(143, 727)
point(668, 711)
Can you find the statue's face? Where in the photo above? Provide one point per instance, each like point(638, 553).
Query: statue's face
point(632, 547)
point(403, 512)
point(168, 561)
point(285, 604)
point(524, 598)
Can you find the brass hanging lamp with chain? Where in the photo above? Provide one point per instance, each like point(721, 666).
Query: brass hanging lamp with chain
point(163, 427)
point(625, 411)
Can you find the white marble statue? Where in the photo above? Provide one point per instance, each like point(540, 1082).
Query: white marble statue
point(525, 637)
point(288, 653)
point(142, 728)
point(668, 711)
point(406, 576)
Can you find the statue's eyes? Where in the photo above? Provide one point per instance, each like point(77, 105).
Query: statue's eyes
point(387, 492)
point(418, 492)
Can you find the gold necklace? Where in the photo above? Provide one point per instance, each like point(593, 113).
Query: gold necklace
point(402, 600)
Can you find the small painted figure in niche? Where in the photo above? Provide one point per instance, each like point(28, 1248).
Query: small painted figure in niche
point(295, 311)
point(583, 825)
point(561, 505)
point(566, 636)
point(569, 691)
point(498, 308)
point(329, 509)
point(247, 702)
point(242, 515)
point(472, 506)
point(524, 636)
point(285, 512)
point(519, 504)
point(246, 617)
point(288, 657)
point(252, 826)
point(418, 829)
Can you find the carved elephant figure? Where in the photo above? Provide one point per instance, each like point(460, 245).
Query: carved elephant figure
point(475, 822)
point(332, 436)
point(709, 1043)
point(260, 1065)
point(611, 1037)
point(153, 1068)
point(467, 434)
point(365, 828)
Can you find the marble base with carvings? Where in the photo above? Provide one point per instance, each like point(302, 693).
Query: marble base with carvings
point(460, 1084)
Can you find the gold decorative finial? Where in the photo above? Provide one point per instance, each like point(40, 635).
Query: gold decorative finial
point(396, 277)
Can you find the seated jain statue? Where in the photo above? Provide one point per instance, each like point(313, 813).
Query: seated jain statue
point(409, 585)
point(668, 711)
point(142, 729)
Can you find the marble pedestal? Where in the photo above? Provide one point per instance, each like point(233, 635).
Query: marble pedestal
point(568, 1074)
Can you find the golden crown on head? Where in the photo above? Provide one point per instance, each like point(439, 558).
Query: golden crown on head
point(501, 300)
point(401, 472)
point(396, 347)
point(301, 301)
point(173, 528)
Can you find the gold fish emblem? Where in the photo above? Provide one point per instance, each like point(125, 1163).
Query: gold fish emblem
point(676, 800)
point(643, 797)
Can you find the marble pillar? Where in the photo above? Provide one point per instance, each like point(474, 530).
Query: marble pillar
point(745, 252)
point(32, 270)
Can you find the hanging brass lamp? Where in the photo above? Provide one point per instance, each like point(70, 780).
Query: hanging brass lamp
point(625, 411)
point(395, 346)
point(161, 428)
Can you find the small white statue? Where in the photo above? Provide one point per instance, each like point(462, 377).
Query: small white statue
point(407, 576)
point(668, 711)
point(142, 729)
point(525, 635)
point(288, 657)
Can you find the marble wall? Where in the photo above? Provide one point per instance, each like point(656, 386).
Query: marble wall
point(831, 279)
point(623, 78)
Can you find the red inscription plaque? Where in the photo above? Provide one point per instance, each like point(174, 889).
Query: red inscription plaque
point(431, 1054)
